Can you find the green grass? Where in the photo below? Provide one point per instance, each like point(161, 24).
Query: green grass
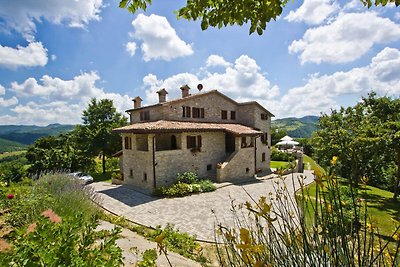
point(279, 164)
point(383, 212)
point(310, 164)
point(9, 154)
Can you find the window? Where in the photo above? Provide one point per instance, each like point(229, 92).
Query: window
point(198, 112)
point(131, 173)
point(128, 142)
point(224, 114)
point(233, 115)
point(145, 116)
point(209, 167)
point(264, 116)
point(145, 177)
point(186, 112)
point(193, 141)
point(263, 157)
point(264, 138)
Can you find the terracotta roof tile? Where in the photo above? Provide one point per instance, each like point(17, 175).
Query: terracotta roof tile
point(181, 126)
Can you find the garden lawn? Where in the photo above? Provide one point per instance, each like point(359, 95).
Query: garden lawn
point(384, 213)
point(279, 164)
point(309, 162)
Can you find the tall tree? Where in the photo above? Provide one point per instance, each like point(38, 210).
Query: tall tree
point(96, 132)
point(220, 13)
point(366, 138)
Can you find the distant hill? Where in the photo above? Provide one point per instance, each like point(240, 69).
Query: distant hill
point(297, 127)
point(8, 146)
point(27, 134)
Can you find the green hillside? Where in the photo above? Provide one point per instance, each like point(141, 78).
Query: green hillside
point(27, 134)
point(8, 146)
point(297, 127)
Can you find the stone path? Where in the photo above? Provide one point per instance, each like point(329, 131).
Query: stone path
point(133, 245)
point(195, 214)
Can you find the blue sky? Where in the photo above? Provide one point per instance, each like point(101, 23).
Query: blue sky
point(318, 55)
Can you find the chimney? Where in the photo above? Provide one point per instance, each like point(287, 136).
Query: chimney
point(137, 102)
point(162, 95)
point(185, 90)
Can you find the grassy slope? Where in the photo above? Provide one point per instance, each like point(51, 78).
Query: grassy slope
point(297, 127)
point(279, 164)
point(383, 212)
point(8, 145)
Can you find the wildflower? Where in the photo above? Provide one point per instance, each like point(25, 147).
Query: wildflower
point(364, 180)
point(334, 160)
point(31, 228)
point(326, 248)
point(396, 236)
point(52, 216)
point(4, 245)
point(10, 196)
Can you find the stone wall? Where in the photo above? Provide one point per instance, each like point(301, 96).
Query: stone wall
point(213, 104)
point(238, 166)
point(171, 162)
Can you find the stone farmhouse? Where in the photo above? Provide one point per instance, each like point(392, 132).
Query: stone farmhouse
point(207, 133)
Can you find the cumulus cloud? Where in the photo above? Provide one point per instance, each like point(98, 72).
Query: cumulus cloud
point(312, 11)
point(58, 100)
point(32, 55)
point(216, 60)
point(6, 102)
point(22, 15)
point(159, 39)
point(320, 92)
point(131, 48)
point(349, 37)
point(241, 80)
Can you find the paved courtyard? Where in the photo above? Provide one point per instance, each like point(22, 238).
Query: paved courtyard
point(196, 214)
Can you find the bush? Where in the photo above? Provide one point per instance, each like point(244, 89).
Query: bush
point(207, 186)
point(187, 178)
point(53, 241)
point(186, 184)
point(281, 156)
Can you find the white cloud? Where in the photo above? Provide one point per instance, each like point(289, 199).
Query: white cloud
point(22, 15)
point(215, 61)
point(241, 81)
point(131, 48)
point(159, 39)
point(320, 93)
point(58, 100)
point(313, 11)
point(6, 102)
point(348, 38)
point(32, 55)
point(397, 15)
point(53, 57)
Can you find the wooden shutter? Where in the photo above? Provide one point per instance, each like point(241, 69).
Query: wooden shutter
point(199, 141)
point(188, 112)
point(202, 113)
point(183, 111)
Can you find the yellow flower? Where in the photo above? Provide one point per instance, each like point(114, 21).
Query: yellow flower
point(329, 208)
point(326, 248)
point(245, 236)
point(334, 160)
point(364, 180)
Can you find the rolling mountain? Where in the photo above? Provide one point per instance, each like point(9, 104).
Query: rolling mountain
point(8, 146)
point(297, 127)
point(27, 134)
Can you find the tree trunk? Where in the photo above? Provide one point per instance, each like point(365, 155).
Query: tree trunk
point(104, 162)
point(397, 183)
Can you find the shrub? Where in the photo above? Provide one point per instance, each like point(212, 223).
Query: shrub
point(53, 241)
point(207, 186)
point(149, 258)
point(281, 156)
point(186, 184)
point(187, 177)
